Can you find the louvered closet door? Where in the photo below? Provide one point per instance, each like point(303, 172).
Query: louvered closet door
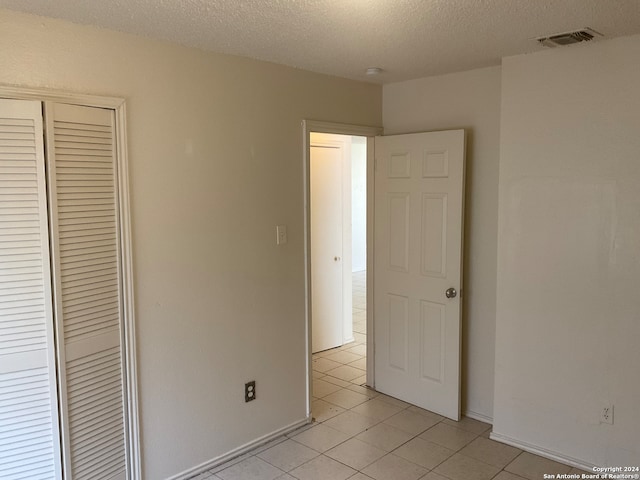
point(84, 218)
point(29, 441)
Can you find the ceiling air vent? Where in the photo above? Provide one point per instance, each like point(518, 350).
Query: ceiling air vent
point(569, 38)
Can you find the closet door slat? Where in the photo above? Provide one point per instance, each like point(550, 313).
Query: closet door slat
point(29, 445)
point(83, 202)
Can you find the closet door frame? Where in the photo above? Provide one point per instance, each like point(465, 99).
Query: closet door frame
point(129, 348)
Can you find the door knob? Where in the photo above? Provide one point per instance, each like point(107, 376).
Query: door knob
point(451, 292)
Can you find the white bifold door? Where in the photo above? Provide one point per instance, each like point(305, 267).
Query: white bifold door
point(419, 186)
point(62, 372)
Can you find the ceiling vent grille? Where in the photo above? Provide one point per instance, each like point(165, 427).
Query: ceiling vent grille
point(569, 38)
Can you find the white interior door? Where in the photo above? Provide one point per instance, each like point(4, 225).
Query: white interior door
point(29, 440)
point(419, 187)
point(326, 247)
point(85, 224)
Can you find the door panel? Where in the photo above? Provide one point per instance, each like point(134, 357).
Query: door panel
point(419, 186)
point(29, 440)
point(86, 262)
point(326, 247)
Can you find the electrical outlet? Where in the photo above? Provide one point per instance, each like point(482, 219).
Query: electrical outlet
point(250, 391)
point(606, 416)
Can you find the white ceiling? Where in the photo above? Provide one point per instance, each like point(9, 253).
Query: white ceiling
point(407, 38)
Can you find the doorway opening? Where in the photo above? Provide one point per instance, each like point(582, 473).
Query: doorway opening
point(338, 247)
point(414, 263)
point(338, 199)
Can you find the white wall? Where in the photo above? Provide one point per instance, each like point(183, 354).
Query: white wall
point(569, 252)
point(469, 100)
point(358, 204)
point(215, 146)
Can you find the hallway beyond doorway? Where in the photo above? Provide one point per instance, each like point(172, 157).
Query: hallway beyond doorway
point(341, 367)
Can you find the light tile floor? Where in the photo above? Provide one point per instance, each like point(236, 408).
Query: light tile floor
point(360, 434)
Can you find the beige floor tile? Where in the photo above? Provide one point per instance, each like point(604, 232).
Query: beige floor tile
point(344, 357)
point(323, 411)
point(337, 381)
point(377, 409)
point(393, 401)
point(360, 338)
point(360, 327)
point(426, 413)
point(384, 436)
point(346, 398)
point(459, 467)
point(411, 422)
point(360, 363)
point(360, 476)
point(360, 317)
point(321, 438)
point(364, 390)
point(317, 375)
point(361, 380)
point(345, 372)
point(491, 452)
point(448, 436)
point(394, 467)
point(534, 467)
point(469, 424)
point(322, 388)
point(356, 453)
point(426, 454)
point(358, 350)
point(320, 364)
point(433, 476)
point(351, 423)
point(253, 468)
point(288, 455)
point(507, 476)
point(286, 476)
point(323, 468)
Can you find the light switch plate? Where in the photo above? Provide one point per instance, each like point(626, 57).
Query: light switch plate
point(281, 234)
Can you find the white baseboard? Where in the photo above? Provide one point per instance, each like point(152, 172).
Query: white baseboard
point(478, 416)
point(236, 452)
point(543, 452)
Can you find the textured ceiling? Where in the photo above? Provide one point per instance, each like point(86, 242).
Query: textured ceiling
point(407, 38)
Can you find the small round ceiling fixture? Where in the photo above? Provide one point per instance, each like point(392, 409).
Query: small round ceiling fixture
point(373, 71)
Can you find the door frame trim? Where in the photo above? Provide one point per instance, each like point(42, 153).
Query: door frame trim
point(119, 107)
point(309, 126)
